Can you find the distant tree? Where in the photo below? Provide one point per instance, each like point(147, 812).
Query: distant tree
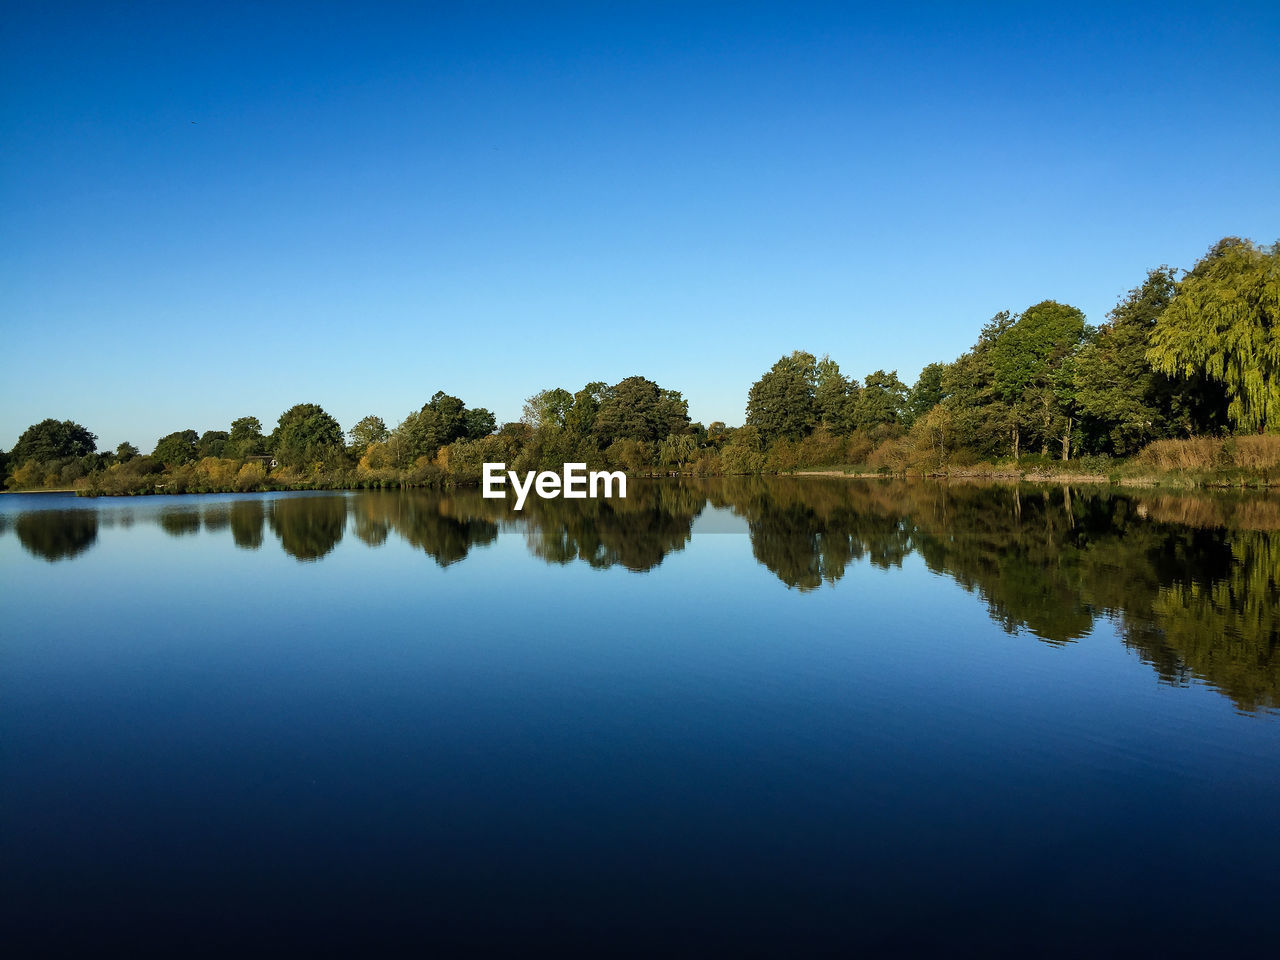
point(983, 419)
point(450, 417)
point(305, 434)
point(368, 431)
point(1124, 402)
point(677, 450)
point(176, 448)
point(581, 417)
point(212, 443)
point(834, 395)
point(1224, 323)
point(638, 409)
point(927, 392)
point(881, 401)
point(782, 403)
point(548, 408)
point(126, 452)
point(53, 440)
point(478, 422)
point(245, 438)
point(1025, 358)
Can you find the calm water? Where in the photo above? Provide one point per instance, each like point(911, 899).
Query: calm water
point(757, 717)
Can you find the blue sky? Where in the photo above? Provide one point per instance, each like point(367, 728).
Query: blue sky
point(378, 201)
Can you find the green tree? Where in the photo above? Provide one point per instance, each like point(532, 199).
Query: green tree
point(1123, 400)
point(834, 395)
point(305, 434)
point(881, 401)
point(783, 402)
point(1224, 323)
point(927, 392)
point(212, 443)
point(53, 440)
point(581, 417)
point(369, 430)
point(639, 409)
point(1026, 356)
point(245, 438)
point(548, 408)
point(126, 452)
point(982, 419)
point(175, 449)
point(478, 422)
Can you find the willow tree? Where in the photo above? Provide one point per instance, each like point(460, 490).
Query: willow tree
point(1224, 323)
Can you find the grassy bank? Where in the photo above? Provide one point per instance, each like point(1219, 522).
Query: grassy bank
point(1198, 462)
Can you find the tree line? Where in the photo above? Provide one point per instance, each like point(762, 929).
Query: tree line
point(1184, 357)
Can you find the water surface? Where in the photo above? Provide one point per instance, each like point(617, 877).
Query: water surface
point(735, 715)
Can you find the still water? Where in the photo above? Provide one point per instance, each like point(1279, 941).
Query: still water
point(738, 716)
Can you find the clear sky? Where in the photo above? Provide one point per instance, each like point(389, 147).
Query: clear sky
point(213, 210)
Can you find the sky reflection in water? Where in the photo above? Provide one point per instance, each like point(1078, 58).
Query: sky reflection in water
point(768, 713)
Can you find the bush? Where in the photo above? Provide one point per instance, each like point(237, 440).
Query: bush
point(1255, 452)
point(1194, 453)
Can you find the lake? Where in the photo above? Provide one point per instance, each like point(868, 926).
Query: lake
point(740, 716)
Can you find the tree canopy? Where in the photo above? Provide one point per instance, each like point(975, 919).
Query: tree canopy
point(305, 434)
point(53, 440)
point(1224, 323)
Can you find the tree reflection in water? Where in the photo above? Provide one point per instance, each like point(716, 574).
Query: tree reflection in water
point(55, 535)
point(1191, 582)
point(308, 527)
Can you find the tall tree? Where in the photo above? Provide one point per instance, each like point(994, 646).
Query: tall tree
point(833, 395)
point(371, 429)
point(1224, 323)
point(245, 438)
point(177, 448)
point(478, 422)
point(639, 409)
point(53, 440)
point(1123, 400)
point(212, 443)
point(548, 408)
point(927, 392)
point(305, 434)
point(783, 402)
point(1026, 358)
point(881, 401)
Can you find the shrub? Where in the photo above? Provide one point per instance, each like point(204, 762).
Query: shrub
point(1193, 453)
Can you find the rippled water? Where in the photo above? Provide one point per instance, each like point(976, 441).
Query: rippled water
point(774, 715)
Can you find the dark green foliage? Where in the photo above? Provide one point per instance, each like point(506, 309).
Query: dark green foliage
point(57, 534)
point(783, 403)
point(126, 452)
point(1123, 401)
point(881, 402)
point(638, 409)
point(53, 440)
point(443, 420)
point(212, 443)
point(834, 396)
point(478, 422)
point(305, 434)
point(245, 438)
point(176, 448)
point(927, 392)
point(308, 528)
